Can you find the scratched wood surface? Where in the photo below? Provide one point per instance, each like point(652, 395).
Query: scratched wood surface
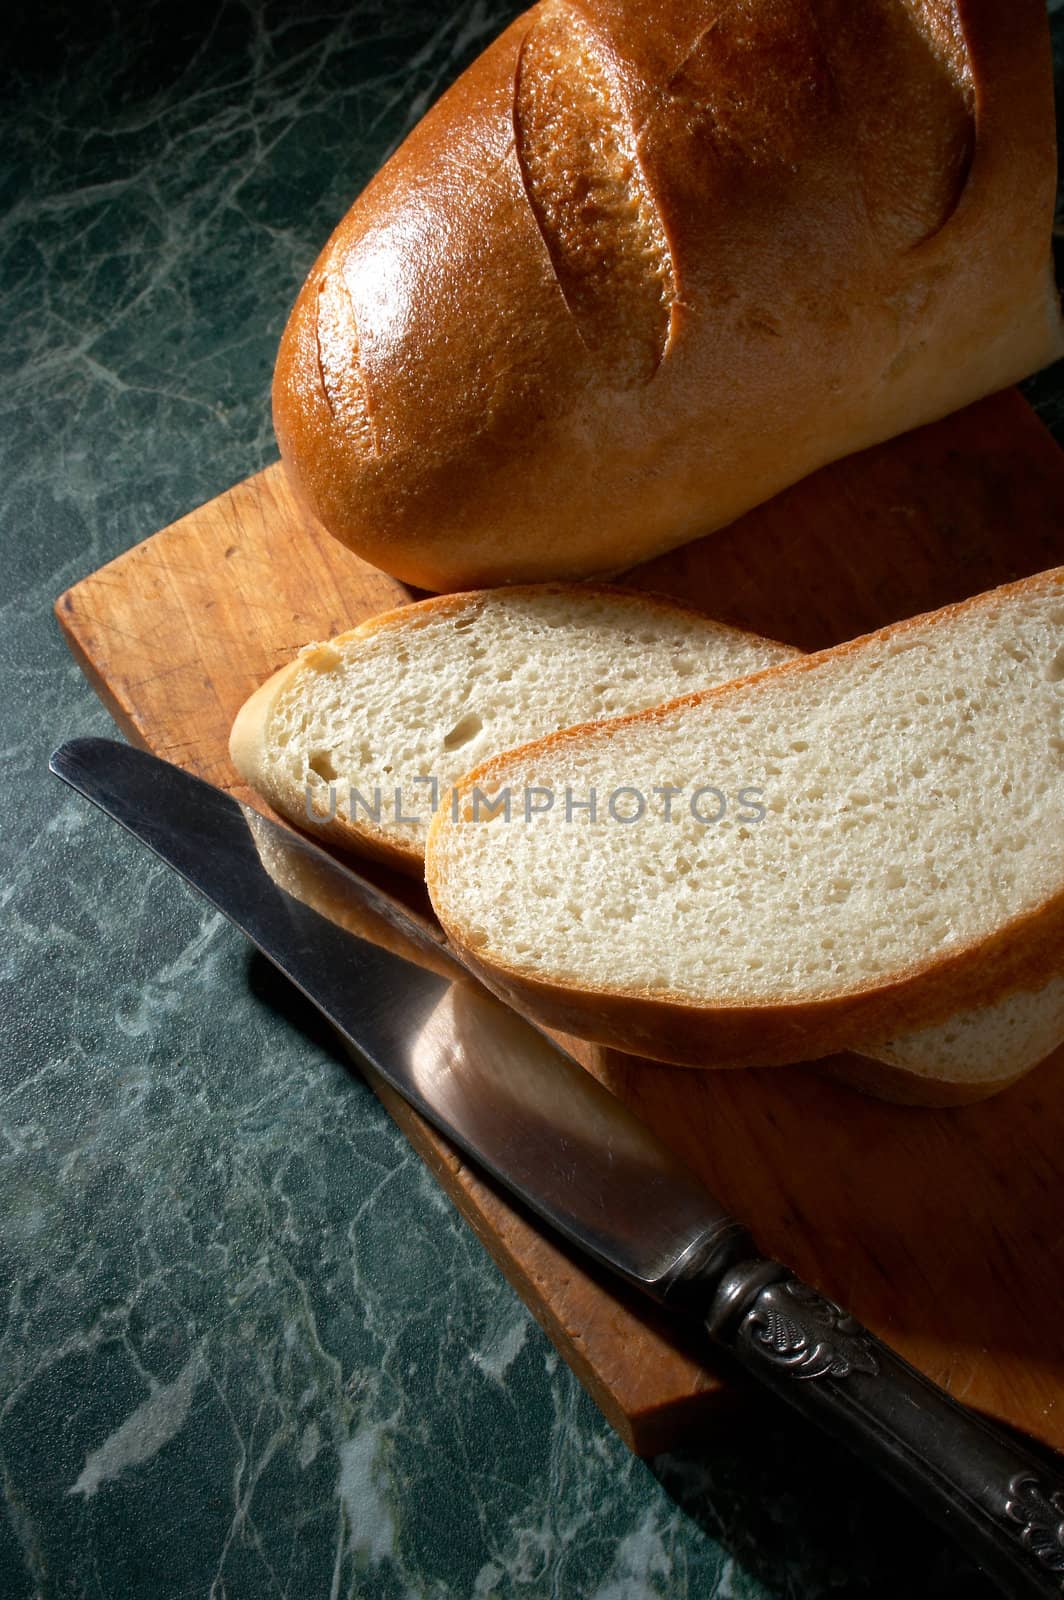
point(941, 1229)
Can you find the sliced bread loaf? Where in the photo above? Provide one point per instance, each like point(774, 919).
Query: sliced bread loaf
point(394, 662)
point(841, 848)
point(359, 736)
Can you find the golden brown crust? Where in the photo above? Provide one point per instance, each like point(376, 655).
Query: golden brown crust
point(795, 228)
point(682, 1033)
point(1022, 953)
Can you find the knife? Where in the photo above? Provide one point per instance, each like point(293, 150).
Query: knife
point(528, 1114)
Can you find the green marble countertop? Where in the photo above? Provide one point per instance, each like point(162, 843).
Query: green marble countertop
point(246, 1347)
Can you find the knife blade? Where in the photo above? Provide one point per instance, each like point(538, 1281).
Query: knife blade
point(529, 1114)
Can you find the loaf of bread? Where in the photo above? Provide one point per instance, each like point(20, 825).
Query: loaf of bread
point(838, 849)
point(405, 704)
point(645, 265)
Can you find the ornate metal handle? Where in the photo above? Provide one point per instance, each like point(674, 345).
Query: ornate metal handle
point(1002, 1503)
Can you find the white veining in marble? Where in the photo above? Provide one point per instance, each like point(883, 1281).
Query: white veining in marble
point(144, 1432)
point(361, 1488)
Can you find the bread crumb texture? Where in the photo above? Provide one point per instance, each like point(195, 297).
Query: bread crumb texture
point(984, 1044)
point(435, 688)
point(912, 789)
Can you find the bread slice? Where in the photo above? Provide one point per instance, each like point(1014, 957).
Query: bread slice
point(972, 1055)
point(426, 691)
point(889, 849)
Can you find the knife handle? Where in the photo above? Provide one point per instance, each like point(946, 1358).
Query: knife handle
point(1003, 1504)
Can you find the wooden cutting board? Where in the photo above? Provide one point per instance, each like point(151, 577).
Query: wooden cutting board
point(943, 1230)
